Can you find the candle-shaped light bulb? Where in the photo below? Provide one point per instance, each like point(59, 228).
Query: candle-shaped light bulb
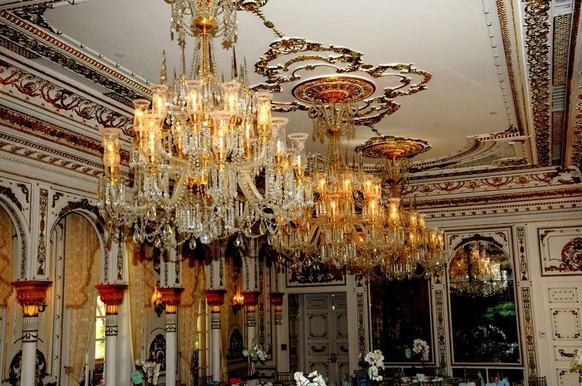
point(111, 158)
point(221, 137)
point(263, 103)
point(299, 163)
point(279, 125)
point(159, 99)
point(231, 93)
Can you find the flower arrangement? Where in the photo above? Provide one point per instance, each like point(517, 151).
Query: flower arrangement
point(314, 378)
point(255, 354)
point(421, 348)
point(150, 369)
point(375, 361)
point(576, 364)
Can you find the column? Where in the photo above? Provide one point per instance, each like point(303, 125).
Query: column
point(30, 294)
point(112, 296)
point(171, 298)
point(251, 299)
point(215, 298)
point(277, 302)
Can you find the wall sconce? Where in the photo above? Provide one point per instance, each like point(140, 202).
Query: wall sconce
point(238, 301)
point(157, 303)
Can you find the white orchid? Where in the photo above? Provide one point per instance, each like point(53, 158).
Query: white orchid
point(422, 348)
point(151, 370)
point(314, 378)
point(375, 360)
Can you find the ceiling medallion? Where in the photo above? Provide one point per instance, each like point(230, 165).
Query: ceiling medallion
point(340, 88)
point(390, 147)
point(289, 60)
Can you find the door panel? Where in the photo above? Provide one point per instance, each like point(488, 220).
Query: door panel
point(326, 335)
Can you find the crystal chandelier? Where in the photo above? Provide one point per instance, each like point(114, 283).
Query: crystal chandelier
point(354, 224)
point(413, 245)
point(346, 227)
point(207, 158)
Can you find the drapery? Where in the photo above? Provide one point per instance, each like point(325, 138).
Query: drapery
point(6, 257)
point(81, 275)
point(192, 315)
point(141, 287)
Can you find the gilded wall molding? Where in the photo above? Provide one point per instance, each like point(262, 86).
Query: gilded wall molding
point(521, 253)
point(42, 227)
point(7, 194)
point(537, 30)
point(440, 327)
point(530, 347)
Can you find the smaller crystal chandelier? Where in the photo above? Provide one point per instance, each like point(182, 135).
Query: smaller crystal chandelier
point(207, 158)
point(347, 226)
point(412, 244)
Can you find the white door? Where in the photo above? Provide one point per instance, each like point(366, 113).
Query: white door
point(325, 336)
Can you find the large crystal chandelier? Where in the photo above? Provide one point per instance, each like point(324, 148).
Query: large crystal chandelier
point(207, 158)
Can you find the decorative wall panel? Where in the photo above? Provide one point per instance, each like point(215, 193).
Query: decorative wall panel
point(561, 250)
point(565, 323)
point(563, 295)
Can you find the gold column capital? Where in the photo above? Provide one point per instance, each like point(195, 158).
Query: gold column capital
point(112, 295)
point(171, 297)
point(31, 294)
point(215, 298)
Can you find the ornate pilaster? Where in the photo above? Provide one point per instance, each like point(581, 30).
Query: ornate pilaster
point(277, 303)
point(30, 295)
point(112, 295)
point(215, 299)
point(171, 298)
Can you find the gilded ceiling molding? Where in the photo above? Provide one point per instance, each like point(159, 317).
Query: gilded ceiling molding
point(499, 205)
point(538, 58)
point(51, 132)
point(33, 39)
point(17, 49)
point(34, 154)
point(517, 179)
point(482, 150)
point(35, 14)
point(513, 79)
point(15, 4)
point(36, 89)
point(290, 60)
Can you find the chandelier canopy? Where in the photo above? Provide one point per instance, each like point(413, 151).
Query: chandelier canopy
point(208, 159)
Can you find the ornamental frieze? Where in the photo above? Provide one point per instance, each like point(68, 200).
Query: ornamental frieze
point(514, 179)
point(37, 41)
point(40, 92)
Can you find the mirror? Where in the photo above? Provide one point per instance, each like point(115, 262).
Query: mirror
point(482, 304)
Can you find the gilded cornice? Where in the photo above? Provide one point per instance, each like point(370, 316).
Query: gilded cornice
point(15, 4)
point(43, 44)
point(493, 184)
point(33, 89)
point(38, 128)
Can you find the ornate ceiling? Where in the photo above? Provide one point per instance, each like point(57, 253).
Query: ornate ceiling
point(480, 85)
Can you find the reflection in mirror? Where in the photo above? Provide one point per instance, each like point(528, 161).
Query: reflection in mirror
point(482, 301)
